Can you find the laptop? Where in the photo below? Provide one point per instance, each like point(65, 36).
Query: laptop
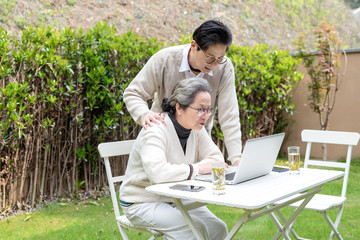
point(258, 158)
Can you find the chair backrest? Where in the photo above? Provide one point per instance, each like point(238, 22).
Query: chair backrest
point(113, 149)
point(330, 137)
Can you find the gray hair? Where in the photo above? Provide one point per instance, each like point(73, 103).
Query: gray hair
point(184, 93)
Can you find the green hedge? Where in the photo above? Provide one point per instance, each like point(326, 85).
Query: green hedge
point(61, 95)
point(265, 79)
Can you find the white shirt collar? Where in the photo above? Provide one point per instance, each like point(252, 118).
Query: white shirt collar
point(185, 67)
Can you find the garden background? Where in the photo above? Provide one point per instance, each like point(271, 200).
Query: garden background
point(61, 85)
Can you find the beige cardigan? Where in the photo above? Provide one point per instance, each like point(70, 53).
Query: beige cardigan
point(157, 79)
point(157, 157)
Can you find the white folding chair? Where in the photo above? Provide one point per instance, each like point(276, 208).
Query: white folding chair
point(113, 149)
point(320, 202)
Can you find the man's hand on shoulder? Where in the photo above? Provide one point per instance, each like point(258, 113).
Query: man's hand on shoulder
point(153, 117)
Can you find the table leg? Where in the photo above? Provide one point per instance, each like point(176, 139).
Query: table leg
point(283, 230)
point(187, 217)
point(279, 227)
point(286, 228)
point(244, 218)
point(283, 219)
point(184, 211)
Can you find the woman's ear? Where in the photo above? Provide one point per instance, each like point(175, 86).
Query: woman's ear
point(178, 108)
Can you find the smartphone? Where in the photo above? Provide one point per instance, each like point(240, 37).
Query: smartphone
point(190, 188)
point(280, 169)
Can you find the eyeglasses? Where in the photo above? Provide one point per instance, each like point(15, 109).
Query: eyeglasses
point(202, 111)
point(212, 59)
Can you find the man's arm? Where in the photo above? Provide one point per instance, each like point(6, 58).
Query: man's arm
point(229, 115)
point(142, 89)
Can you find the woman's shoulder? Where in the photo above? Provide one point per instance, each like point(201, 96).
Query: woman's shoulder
point(160, 131)
point(153, 130)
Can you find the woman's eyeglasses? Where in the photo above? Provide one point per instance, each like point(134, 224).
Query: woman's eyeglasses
point(212, 59)
point(202, 111)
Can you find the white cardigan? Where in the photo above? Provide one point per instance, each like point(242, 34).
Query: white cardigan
point(157, 79)
point(157, 157)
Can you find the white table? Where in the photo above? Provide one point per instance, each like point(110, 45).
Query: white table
point(257, 197)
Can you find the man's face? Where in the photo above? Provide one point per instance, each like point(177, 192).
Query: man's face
point(206, 60)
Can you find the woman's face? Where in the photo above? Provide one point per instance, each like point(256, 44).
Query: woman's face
point(190, 118)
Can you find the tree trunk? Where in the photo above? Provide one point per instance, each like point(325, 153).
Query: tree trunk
point(86, 177)
point(51, 176)
point(43, 173)
point(3, 196)
point(324, 151)
point(30, 187)
point(24, 173)
point(11, 192)
point(74, 141)
point(323, 146)
point(37, 160)
point(15, 172)
point(59, 179)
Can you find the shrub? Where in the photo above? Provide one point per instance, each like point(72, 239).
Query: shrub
point(264, 82)
point(62, 94)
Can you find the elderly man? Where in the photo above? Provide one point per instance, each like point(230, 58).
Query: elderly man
point(204, 57)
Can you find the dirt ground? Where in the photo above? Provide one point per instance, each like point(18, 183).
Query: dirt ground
point(250, 21)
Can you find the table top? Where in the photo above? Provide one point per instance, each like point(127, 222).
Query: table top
point(253, 194)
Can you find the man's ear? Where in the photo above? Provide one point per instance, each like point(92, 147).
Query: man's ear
point(193, 44)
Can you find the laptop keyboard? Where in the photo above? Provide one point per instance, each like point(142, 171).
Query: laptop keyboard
point(229, 176)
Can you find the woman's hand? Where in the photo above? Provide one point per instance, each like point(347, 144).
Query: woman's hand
point(205, 168)
point(236, 163)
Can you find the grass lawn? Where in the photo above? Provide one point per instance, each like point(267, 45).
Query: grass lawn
point(95, 220)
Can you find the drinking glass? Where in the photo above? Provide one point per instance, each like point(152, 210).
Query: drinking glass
point(294, 160)
point(218, 177)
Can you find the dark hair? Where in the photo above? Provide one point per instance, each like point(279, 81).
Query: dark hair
point(166, 107)
point(212, 32)
point(184, 93)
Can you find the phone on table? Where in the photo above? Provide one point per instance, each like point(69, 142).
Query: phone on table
point(190, 188)
point(280, 169)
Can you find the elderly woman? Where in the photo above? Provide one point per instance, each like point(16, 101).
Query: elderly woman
point(176, 151)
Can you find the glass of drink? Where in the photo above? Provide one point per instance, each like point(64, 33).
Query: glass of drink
point(294, 160)
point(218, 177)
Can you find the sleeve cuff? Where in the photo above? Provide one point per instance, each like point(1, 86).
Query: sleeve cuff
point(194, 170)
point(235, 158)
